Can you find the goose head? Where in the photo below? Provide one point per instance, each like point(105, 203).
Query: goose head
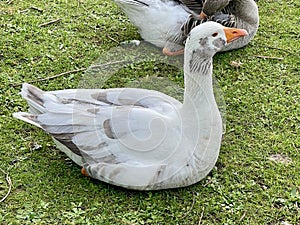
point(210, 37)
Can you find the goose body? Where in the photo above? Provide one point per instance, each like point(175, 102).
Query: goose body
point(158, 21)
point(136, 138)
point(166, 23)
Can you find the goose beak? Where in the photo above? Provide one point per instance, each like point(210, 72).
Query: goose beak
point(202, 15)
point(234, 33)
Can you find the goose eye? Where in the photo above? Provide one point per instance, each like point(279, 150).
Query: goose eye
point(214, 34)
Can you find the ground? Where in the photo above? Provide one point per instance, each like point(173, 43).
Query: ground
point(256, 179)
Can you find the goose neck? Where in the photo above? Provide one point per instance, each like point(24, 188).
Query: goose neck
point(197, 79)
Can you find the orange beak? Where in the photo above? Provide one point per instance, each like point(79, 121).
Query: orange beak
point(202, 15)
point(234, 33)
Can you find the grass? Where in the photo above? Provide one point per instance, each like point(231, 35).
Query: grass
point(263, 120)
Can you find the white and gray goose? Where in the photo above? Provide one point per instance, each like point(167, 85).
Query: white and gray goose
point(137, 138)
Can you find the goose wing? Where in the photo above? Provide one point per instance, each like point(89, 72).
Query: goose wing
point(122, 136)
point(193, 5)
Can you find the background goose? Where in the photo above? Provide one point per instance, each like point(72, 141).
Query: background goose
point(243, 14)
point(166, 23)
point(136, 138)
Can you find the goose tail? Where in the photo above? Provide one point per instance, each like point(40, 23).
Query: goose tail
point(34, 98)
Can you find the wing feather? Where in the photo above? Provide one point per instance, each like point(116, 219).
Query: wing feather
point(111, 125)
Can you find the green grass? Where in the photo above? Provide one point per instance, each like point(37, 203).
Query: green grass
point(263, 119)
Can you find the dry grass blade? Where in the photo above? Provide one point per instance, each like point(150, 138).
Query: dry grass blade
point(242, 217)
point(9, 183)
point(275, 48)
point(201, 216)
point(50, 22)
point(36, 8)
point(114, 40)
point(192, 206)
point(51, 77)
point(268, 57)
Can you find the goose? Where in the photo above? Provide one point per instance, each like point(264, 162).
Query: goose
point(137, 138)
point(166, 23)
